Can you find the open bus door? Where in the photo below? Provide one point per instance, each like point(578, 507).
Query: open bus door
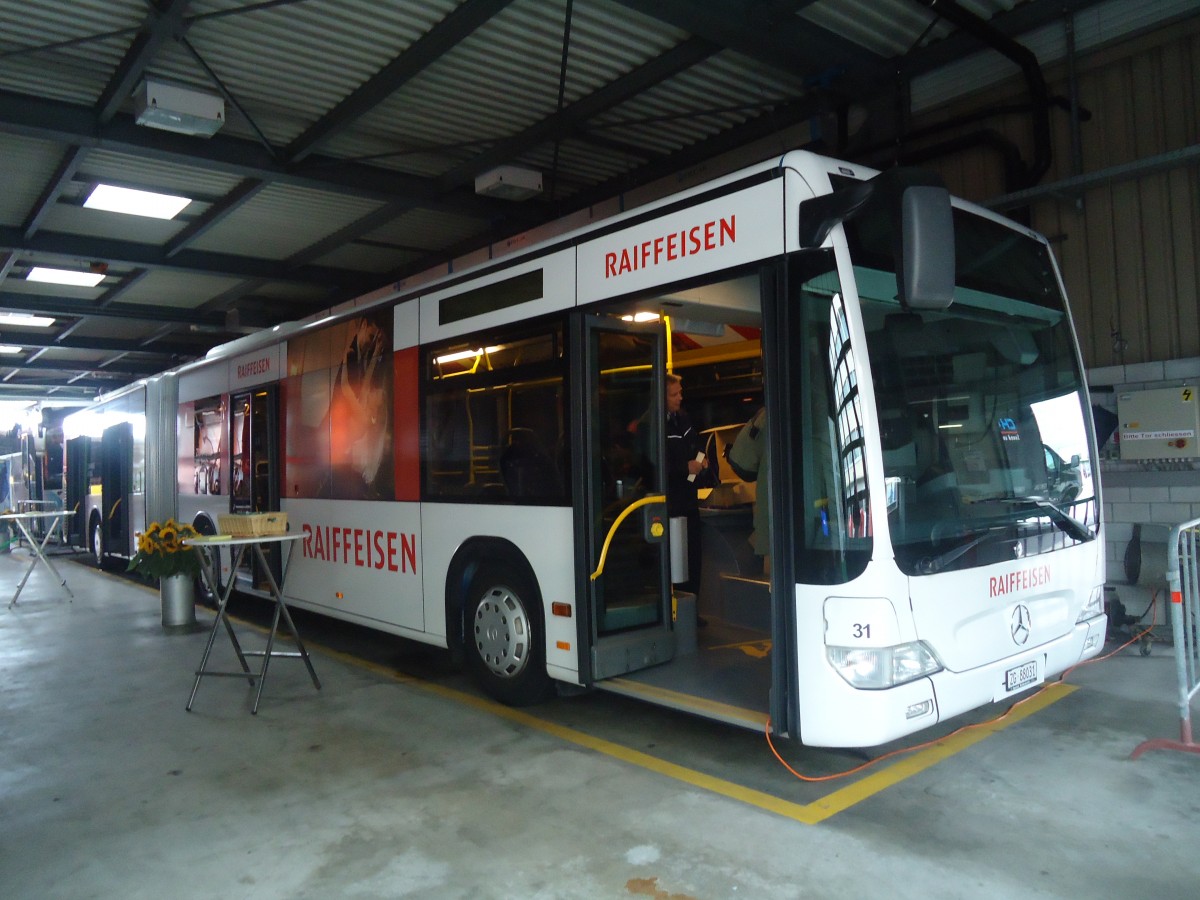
point(254, 466)
point(116, 486)
point(78, 485)
point(622, 528)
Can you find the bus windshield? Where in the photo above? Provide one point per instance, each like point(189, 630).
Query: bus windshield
point(981, 409)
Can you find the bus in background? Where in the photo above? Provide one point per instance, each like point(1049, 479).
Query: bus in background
point(461, 458)
point(118, 467)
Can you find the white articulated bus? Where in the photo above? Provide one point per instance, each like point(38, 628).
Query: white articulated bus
point(476, 462)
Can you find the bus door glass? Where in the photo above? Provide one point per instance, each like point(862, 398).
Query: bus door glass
point(116, 479)
point(624, 513)
point(254, 463)
point(78, 487)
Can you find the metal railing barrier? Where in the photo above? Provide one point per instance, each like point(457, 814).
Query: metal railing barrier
point(1183, 582)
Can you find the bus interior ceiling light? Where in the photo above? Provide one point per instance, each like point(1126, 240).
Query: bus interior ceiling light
point(171, 107)
point(136, 203)
point(71, 277)
point(509, 183)
point(464, 354)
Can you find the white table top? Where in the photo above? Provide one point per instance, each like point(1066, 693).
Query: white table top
point(36, 515)
point(209, 540)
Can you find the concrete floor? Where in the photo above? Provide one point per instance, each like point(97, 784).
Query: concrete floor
point(397, 780)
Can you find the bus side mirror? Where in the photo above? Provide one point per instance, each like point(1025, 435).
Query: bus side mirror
point(915, 206)
point(925, 276)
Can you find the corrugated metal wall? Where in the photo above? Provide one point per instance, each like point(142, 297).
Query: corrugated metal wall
point(1129, 249)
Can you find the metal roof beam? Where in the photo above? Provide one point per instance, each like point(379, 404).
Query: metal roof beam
point(70, 306)
point(43, 384)
point(560, 124)
point(151, 256)
point(164, 22)
point(70, 123)
point(773, 35)
point(241, 194)
point(67, 168)
point(135, 369)
point(115, 345)
point(427, 49)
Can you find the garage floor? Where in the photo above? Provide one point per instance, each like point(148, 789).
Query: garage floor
point(397, 779)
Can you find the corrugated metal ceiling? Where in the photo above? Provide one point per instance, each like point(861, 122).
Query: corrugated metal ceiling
point(354, 131)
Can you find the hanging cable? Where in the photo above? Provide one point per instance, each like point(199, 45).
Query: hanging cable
point(562, 92)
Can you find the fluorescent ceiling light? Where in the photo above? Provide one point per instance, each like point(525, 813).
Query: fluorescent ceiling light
point(136, 203)
point(464, 354)
point(25, 319)
point(64, 276)
point(642, 317)
point(9, 349)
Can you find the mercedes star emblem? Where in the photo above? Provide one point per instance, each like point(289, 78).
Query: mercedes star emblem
point(1022, 622)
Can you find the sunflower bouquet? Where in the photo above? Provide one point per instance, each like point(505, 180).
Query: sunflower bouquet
point(162, 553)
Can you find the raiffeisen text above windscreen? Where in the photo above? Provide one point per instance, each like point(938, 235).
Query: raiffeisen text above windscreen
point(981, 409)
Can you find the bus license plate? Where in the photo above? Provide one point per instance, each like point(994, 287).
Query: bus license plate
point(1021, 676)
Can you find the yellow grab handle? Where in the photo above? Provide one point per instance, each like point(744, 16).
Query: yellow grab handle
point(645, 501)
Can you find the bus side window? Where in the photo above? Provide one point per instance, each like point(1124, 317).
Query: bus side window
point(494, 419)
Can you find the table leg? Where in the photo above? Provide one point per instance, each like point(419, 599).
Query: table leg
point(38, 554)
point(222, 617)
point(32, 563)
point(280, 609)
point(41, 552)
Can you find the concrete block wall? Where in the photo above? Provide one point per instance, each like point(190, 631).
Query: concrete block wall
point(1155, 494)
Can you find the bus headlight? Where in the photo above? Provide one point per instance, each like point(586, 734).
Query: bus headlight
point(883, 667)
point(1094, 606)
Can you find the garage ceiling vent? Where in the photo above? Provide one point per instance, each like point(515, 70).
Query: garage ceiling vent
point(170, 107)
point(509, 183)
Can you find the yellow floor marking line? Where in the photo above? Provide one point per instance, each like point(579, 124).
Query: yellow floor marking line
point(907, 766)
point(807, 813)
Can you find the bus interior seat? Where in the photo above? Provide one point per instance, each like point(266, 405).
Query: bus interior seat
point(525, 468)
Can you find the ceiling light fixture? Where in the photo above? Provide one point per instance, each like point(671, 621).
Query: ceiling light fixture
point(158, 104)
point(26, 320)
point(9, 349)
point(64, 276)
point(136, 203)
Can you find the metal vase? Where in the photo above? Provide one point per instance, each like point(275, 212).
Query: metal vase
point(178, 596)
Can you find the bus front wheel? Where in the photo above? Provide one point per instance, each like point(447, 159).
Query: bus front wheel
point(98, 542)
point(503, 636)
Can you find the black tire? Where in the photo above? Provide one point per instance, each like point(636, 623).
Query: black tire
point(98, 542)
point(204, 596)
point(503, 636)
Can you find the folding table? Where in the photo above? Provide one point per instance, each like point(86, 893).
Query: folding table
point(55, 517)
point(239, 546)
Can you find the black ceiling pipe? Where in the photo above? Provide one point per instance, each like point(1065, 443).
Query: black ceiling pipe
point(1039, 96)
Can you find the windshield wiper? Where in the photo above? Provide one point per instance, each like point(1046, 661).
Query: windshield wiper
point(1071, 526)
point(931, 565)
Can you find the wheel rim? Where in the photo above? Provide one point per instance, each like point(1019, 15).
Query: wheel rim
point(502, 632)
point(97, 545)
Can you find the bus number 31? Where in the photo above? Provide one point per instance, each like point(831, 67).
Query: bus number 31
point(862, 631)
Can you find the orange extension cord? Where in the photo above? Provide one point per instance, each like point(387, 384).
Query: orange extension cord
point(1000, 718)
